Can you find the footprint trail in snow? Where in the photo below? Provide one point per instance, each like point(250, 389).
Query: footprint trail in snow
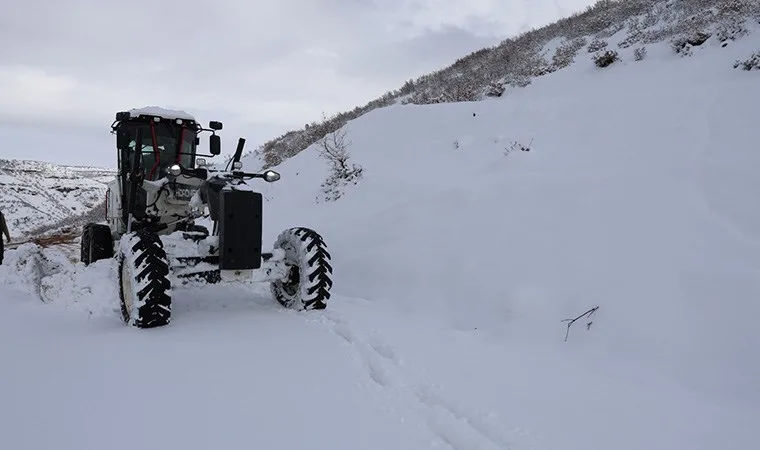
point(453, 425)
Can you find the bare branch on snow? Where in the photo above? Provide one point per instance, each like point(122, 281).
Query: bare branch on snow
point(587, 314)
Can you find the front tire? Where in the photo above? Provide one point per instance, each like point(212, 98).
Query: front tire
point(144, 285)
point(308, 286)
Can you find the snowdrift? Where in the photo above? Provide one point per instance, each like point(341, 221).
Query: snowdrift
point(456, 259)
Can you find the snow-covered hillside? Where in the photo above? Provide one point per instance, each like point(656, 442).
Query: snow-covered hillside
point(456, 258)
point(35, 194)
point(601, 30)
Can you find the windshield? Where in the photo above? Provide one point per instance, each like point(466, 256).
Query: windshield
point(167, 138)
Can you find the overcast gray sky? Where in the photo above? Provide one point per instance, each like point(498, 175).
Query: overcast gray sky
point(262, 68)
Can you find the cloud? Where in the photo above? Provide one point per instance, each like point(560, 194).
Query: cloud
point(262, 67)
point(392, 62)
point(26, 90)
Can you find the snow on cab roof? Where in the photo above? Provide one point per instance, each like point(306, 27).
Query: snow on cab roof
point(161, 112)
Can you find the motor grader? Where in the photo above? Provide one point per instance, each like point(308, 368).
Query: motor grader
point(162, 189)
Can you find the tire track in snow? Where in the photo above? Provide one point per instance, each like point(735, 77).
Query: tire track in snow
point(453, 424)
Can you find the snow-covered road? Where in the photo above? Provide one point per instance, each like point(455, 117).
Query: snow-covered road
point(238, 371)
point(232, 377)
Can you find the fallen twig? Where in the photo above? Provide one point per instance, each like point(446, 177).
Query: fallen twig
point(587, 314)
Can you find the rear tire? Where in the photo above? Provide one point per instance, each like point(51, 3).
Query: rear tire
point(144, 285)
point(97, 243)
point(308, 286)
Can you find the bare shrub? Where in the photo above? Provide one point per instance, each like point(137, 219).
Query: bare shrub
point(680, 46)
point(611, 30)
point(751, 63)
point(734, 7)
point(660, 34)
point(633, 38)
point(515, 146)
point(698, 38)
point(334, 149)
point(683, 44)
point(565, 54)
point(730, 30)
point(633, 24)
point(639, 53)
point(519, 81)
point(541, 69)
point(650, 19)
point(607, 58)
point(495, 89)
point(596, 45)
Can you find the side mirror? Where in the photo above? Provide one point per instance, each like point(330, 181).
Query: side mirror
point(122, 139)
point(271, 175)
point(200, 162)
point(214, 125)
point(215, 144)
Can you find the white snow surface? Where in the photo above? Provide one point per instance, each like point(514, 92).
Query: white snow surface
point(161, 112)
point(454, 267)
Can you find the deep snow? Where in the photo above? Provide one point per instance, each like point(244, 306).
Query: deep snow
point(454, 266)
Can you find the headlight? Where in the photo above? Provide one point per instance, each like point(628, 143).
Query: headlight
point(175, 170)
point(271, 175)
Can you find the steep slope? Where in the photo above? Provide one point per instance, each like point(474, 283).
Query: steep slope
point(606, 26)
point(637, 196)
point(456, 259)
point(35, 195)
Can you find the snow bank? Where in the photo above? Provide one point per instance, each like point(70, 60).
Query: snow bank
point(55, 276)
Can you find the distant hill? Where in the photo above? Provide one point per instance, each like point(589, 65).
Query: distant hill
point(35, 196)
